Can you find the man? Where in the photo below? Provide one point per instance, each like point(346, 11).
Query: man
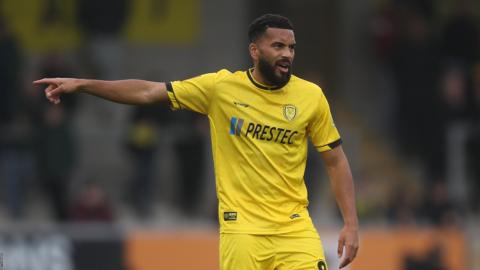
point(259, 121)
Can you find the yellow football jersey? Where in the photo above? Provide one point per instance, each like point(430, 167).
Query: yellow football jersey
point(259, 144)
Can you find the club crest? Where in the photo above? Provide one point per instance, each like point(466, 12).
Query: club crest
point(289, 112)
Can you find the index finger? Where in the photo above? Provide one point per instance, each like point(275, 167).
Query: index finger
point(345, 261)
point(341, 243)
point(46, 81)
point(350, 253)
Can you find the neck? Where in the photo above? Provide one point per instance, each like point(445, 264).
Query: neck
point(258, 76)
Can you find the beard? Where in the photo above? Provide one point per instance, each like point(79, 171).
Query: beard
point(268, 72)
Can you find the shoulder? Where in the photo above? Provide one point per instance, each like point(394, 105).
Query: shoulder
point(215, 74)
point(210, 78)
point(223, 74)
point(310, 88)
point(226, 76)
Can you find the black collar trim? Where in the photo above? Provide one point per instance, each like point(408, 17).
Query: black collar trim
point(261, 86)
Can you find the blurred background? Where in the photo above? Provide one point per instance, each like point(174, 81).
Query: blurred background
point(90, 184)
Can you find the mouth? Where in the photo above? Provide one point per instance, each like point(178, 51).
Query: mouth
point(283, 66)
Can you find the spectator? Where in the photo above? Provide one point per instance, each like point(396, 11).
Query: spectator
point(56, 153)
point(437, 207)
point(454, 93)
point(415, 72)
point(91, 205)
point(190, 151)
point(142, 144)
point(10, 70)
point(460, 41)
point(55, 142)
point(400, 207)
point(16, 160)
point(473, 142)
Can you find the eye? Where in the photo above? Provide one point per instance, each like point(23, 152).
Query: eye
point(278, 45)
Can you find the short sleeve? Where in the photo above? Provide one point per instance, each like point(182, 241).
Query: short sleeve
point(322, 129)
point(194, 94)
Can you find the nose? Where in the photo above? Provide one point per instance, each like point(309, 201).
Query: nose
point(288, 53)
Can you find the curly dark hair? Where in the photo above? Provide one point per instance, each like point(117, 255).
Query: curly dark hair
point(258, 27)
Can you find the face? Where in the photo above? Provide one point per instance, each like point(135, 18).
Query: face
point(273, 55)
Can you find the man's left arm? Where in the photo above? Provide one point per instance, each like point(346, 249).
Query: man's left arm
point(341, 180)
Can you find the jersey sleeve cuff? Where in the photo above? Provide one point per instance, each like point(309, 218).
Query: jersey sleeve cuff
point(174, 103)
point(329, 146)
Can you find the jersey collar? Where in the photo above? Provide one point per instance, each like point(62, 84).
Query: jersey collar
point(259, 85)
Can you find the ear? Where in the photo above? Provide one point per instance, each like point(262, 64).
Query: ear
point(253, 49)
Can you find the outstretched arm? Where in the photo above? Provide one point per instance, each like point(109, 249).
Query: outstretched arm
point(135, 92)
point(341, 180)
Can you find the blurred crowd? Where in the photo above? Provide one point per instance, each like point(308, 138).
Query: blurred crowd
point(39, 141)
point(431, 56)
point(432, 60)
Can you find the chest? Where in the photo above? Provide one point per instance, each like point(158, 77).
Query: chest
point(274, 117)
